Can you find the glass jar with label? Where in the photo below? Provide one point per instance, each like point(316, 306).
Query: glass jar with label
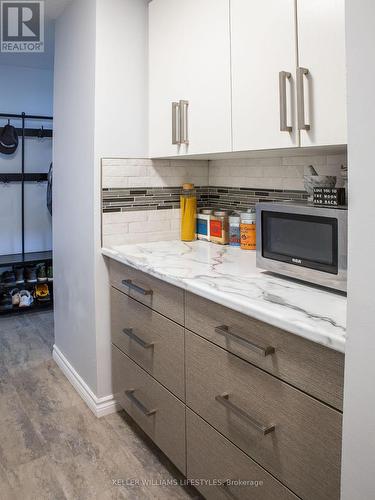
point(248, 230)
point(203, 223)
point(234, 229)
point(219, 227)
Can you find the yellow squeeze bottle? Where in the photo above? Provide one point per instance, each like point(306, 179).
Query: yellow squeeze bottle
point(188, 202)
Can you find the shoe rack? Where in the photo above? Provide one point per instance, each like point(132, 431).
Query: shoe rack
point(24, 259)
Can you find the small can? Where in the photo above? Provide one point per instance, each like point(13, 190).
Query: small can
point(234, 229)
point(219, 227)
point(203, 223)
point(248, 230)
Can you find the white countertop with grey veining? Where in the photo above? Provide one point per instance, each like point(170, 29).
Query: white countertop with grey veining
point(229, 276)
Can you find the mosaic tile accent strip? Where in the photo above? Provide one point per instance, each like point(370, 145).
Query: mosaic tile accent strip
point(151, 198)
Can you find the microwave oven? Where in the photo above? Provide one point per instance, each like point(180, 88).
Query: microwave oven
point(304, 242)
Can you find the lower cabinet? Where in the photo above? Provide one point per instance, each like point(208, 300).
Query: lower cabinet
point(160, 414)
point(235, 425)
point(293, 436)
point(220, 470)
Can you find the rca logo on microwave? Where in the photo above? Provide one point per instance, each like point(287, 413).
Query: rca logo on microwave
point(296, 261)
point(22, 26)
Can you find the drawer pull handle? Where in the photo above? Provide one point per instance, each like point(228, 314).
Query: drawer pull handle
point(136, 288)
point(263, 351)
point(130, 395)
point(129, 332)
point(224, 400)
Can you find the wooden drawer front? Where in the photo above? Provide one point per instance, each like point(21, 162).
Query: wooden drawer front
point(160, 414)
point(315, 369)
point(153, 341)
point(210, 456)
point(303, 450)
point(159, 295)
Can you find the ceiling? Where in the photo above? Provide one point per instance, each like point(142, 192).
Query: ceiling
point(54, 8)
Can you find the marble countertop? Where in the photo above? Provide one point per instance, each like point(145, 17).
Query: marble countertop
point(229, 276)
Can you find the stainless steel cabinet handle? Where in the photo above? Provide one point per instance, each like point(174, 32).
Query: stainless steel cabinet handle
point(301, 99)
point(130, 395)
point(184, 125)
point(283, 77)
point(263, 351)
point(175, 111)
point(224, 400)
point(129, 332)
point(136, 288)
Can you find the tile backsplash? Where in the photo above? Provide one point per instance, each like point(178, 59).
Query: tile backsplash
point(140, 197)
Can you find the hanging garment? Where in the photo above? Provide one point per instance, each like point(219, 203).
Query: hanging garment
point(8, 140)
point(49, 189)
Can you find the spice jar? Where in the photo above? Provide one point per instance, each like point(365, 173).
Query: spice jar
point(248, 230)
point(219, 227)
point(203, 223)
point(188, 202)
point(234, 229)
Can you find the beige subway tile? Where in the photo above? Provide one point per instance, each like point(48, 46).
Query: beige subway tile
point(123, 217)
point(304, 160)
point(149, 226)
point(115, 182)
point(297, 184)
point(115, 228)
point(337, 159)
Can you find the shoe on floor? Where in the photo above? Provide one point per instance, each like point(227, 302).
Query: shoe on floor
point(50, 273)
point(5, 301)
point(30, 275)
point(19, 276)
point(25, 298)
point(15, 294)
point(41, 273)
point(41, 293)
point(8, 278)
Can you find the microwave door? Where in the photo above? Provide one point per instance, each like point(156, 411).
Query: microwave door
point(308, 241)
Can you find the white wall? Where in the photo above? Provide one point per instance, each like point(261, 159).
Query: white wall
point(73, 204)
point(120, 129)
point(359, 399)
point(100, 86)
point(34, 98)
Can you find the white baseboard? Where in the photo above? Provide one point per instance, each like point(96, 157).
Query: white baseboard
point(99, 406)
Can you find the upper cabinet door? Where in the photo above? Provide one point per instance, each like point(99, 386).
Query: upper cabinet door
point(189, 61)
point(263, 74)
point(322, 73)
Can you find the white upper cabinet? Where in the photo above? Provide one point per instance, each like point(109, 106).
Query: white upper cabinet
point(321, 51)
point(245, 75)
point(263, 74)
point(189, 65)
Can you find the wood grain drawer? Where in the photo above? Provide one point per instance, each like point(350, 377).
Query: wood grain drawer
point(304, 449)
point(150, 339)
point(315, 369)
point(211, 457)
point(159, 295)
point(160, 414)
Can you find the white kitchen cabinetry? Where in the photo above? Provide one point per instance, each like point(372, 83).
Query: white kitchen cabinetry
point(263, 45)
point(321, 50)
point(189, 60)
point(245, 75)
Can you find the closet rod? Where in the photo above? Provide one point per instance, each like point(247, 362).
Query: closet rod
point(26, 117)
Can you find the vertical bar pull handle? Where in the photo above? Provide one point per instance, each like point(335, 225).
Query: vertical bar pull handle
point(184, 125)
point(283, 77)
point(175, 111)
point(301, 72)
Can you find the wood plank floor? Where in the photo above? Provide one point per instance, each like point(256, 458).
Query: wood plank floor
point(52, 446)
